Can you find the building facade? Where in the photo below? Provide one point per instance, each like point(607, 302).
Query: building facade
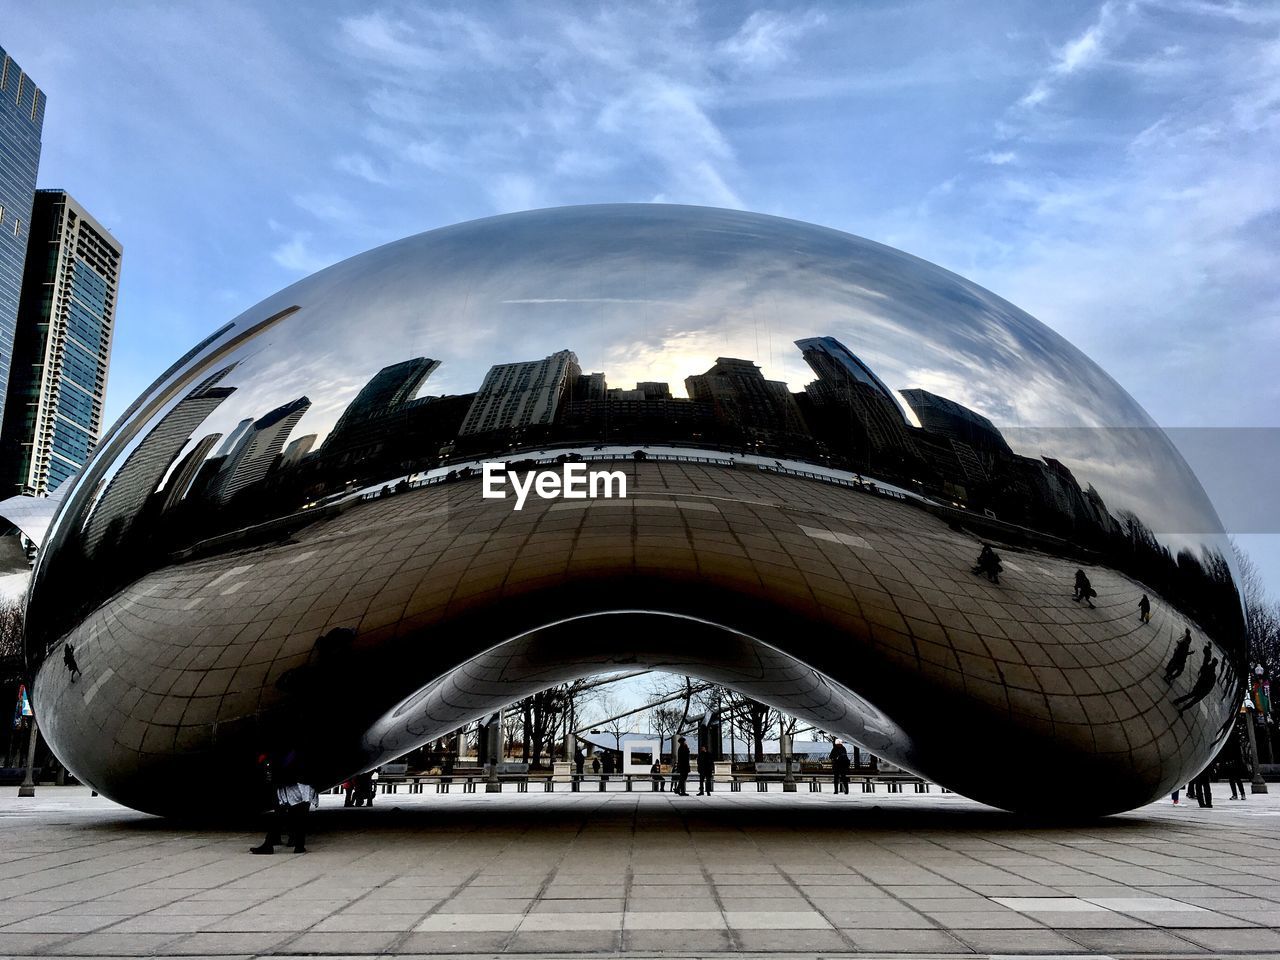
point(62, 348)
point(516, 395)
point(21, 120)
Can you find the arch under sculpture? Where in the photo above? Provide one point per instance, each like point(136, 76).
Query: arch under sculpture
point(287, 540)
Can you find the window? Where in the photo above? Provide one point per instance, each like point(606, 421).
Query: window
point(17, 226)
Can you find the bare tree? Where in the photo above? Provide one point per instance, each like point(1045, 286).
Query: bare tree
point(1261, 615)
point(12, 673)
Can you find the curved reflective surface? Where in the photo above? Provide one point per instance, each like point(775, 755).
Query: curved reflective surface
point(287, 538)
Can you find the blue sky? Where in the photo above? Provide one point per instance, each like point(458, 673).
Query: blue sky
point(1109, 167)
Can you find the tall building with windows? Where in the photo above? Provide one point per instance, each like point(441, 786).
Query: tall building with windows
point(516, 395)
point(21, 119)
point(62, 347)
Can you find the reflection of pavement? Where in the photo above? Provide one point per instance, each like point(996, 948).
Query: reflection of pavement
point(592, 874)
point(858, 586)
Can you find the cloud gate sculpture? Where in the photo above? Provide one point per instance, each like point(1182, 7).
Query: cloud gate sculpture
point(757, 451)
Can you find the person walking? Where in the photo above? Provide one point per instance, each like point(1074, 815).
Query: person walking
point(680, 780)
point(1144, 609)
point(1231, 765)
point(69, 658)
point(1204, 683)
point(1178, 662)
point(579, 760)
point(706, 770)
point(1084, 589)
point(988, 563)
point(1204, 786)
point(840, 766)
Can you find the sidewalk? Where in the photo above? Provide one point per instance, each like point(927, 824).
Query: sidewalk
point(644, 874)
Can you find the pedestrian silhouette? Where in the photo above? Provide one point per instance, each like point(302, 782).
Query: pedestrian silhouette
point(840, 767)
point(69, 658)
point(1178, 662)
point(989, 564)
point(680, 779)
point(706, 770)
point(1084, 589)
point(1204, 683)
point(1144, 609)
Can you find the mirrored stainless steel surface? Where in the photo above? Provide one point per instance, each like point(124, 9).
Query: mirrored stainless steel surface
point(284, 541)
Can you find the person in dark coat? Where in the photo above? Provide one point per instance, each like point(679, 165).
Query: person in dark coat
point(682, 770)
point(1178, 662)
point(706, 770)
point(840, 767)
point(579, 759)
point(293, 799)
point(69, 658)
point(1084, 589)
point(1144, 609)
point(1232, 766)
point(659, 781)
point(989, 563)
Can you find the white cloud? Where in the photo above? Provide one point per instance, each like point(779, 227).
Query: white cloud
point(296, 254)
point(766, 38)
point(359, 165)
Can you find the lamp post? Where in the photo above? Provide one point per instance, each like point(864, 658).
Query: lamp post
point(28, 788)
point(1258, 785)
point(1264, 704)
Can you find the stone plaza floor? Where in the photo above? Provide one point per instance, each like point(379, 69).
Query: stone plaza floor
point(643, 874)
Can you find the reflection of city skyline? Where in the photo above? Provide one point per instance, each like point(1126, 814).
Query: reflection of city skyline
point(846, 418)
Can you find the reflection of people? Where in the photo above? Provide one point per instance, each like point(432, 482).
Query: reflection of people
point(1144, 609)
point(706, 769)
point(659, 781)
point(1178, 662)
point(578, 760)
point(1204, 683)
point(840, 767)
point(69, 658)
point(1084, 589)
point(681, 777)
point(595, 766)
point(988, 563)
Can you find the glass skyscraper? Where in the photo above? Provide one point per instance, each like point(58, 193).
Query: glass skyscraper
point(21, 119)
point(62, 346)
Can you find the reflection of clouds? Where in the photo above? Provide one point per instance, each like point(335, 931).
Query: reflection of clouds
point(651, 292)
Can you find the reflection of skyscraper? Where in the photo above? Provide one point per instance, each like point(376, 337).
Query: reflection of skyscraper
point(253, 456)
point(296, 450)
point(848, 387)
point(58, 379)
point(955, 421)
point(389, 387)
point(589, 386)
point(516, 395)
point(234, 436)
point(21, 120)
point(148, 462)
point(741, 397)
point(180, 479)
